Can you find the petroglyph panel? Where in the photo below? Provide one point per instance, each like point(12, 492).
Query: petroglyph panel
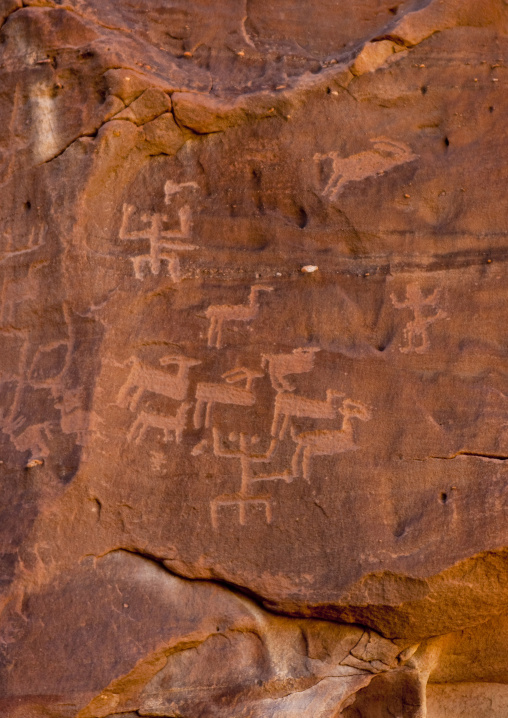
point(383, 157)
point(178, 395)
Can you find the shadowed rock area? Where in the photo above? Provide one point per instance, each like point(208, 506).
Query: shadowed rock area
point(253, 359)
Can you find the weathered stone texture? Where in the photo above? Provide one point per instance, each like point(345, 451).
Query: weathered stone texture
point(229, 486)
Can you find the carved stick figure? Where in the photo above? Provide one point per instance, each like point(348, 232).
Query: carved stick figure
point(247, 457)
point(160, 249)
point(415, 332)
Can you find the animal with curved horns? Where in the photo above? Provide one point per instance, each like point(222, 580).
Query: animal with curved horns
point(143, 378)
point(328, 442)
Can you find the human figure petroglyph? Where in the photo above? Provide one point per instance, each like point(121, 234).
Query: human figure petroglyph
point(385, 155)
point(327, 442)
point(210, 393)
point(220, 313)
point(416, 333)
point(143, 378)
point(248, 457)
point(164, 423)
point(289, 405)
point(300, 361)
point(161, 250)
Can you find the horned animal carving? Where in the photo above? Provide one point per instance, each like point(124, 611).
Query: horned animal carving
point(291, 405)
point(210, 393)
point(385, 155)
point(328, 442)
point(300, 361)
point(220, 313)
point(166, 424)
point(143, 378)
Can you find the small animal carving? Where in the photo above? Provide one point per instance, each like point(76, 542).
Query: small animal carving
point(166, 424)
point(385, 155)
point(210, 393)
point(143, 378)
point(300, 361)
point(290, 405)
point(329, 441)
point(220, 313)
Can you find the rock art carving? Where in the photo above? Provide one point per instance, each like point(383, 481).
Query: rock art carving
point(220, 313)
point(289, 405)
point(18, 291)
point(161, 250)
point(327, 442)
point(171, 188)
point(166, 424)
point(143, 378)
point(385, 155)
point(210, 393)
point(416, 331)
point(35, 241)
point(248, 457)
point(300, 361)
point(34, 438)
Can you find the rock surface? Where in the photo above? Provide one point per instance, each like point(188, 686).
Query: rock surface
point(254, 390)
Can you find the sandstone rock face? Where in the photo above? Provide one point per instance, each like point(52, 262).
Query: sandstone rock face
point(253, 345)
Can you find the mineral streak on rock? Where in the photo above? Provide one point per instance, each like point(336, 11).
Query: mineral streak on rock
point(254, 398)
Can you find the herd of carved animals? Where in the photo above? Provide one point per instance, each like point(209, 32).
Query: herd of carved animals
point(237, 385)
point(237, 389)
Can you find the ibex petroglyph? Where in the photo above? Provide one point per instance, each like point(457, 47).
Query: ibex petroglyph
point(328, 441)
point(300, 361)
point(143, 378)
point(290, 405)
point(220, 313)
point(385, 155)
point(166, 424)
point(210, 393)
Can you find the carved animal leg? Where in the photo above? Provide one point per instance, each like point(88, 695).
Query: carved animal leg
point(307, 456)
point(208, 415)
point(214, 513)
point(218, 342)
point(122, 398)
point(296, 460)
point(142, 432)
point(212, 331)
point(275, 423)
point(285, 426)
point(133, 430)
point(133, 405)
point(280, 383)
point(198, 414)
point(336, 189)
point(241, 512)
